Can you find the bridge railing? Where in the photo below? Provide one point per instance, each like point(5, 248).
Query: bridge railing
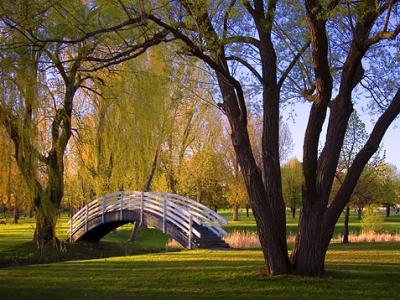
point(182, 212)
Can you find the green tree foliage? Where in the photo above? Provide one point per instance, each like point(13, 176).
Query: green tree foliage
point(292, 181)
point(365, 190)
point(119, 141)
point(388, 187)
point(202, 177)
point(45, 62)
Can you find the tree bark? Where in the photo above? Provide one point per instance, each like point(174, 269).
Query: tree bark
point(235, 213)
point(16, 214)
point(346, 225)
point(45, 221)
point(153, 169)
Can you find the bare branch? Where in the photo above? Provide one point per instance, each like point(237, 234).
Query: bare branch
point(292, 64)
point(371, 146)
point(248, 66)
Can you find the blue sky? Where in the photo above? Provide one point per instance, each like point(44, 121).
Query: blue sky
point(391, 141)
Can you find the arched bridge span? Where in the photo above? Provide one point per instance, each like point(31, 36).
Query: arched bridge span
point(190, 223)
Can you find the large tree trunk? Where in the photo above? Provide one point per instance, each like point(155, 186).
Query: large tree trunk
point(346, 225)
point(47, 203)
point(308, 255)
point(265, 200)
point(44, 231)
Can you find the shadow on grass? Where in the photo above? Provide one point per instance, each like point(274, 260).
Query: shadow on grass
point(147, 241)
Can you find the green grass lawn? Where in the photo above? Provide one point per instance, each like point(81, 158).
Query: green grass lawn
point(115, 269)
point(362, 272)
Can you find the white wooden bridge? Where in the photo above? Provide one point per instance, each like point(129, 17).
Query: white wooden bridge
point(190, 223)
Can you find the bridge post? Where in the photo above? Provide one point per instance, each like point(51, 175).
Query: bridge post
point(121, 205)
point(70, 229)
point(103, 208)
point(164, 215)
point(86, 217)
point(190, 231)
point(141, 208)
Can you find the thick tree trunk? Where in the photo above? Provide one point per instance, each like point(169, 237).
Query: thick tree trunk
point(272, 239)
point(265, 199)
point(308, 255)
point(44, 232)
point(346, 225)
point(235, 213)
point(45, 223)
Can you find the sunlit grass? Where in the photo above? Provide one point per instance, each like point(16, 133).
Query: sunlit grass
point(365, 271)
point(122, 271)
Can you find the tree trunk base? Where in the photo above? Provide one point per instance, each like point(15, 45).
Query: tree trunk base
point(44, 233)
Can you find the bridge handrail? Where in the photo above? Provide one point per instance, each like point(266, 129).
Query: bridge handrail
point(179, 210)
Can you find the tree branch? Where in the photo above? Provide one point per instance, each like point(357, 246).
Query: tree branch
point(292, 64)
point(371, 146)
point(248, 66)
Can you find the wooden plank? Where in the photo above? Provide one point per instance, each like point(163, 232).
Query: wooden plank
point(190, 231)
point(164, 214)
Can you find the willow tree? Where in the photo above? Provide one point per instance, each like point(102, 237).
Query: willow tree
point(132, 110)
point(340, 35)
point(49, 52)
